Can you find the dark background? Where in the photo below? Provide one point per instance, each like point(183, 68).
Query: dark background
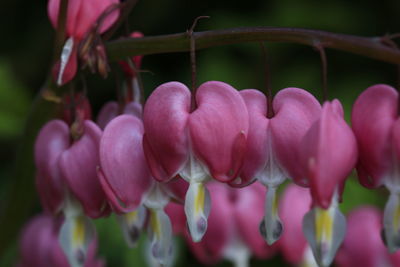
point(26, 51)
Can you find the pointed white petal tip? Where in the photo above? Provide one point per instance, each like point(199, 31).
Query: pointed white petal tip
point(197, 210)
point(76, 234)
point(325, 231)
point(132, 225)
point(160, 231)
point(272, 232)
point(271, 227)
point(65, 55)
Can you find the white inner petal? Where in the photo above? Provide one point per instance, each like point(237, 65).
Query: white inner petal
point(157, 197)
point(132, 224)
point(194, 170)
point(65, 55)
point(272, 175)
point(160, 234)
point(76, 233)
point(271, 228)
point(237, 252)
point(325, 231)
point(391, 222)
point(197, 210)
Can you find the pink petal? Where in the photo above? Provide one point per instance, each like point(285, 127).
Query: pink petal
point(177, 189)
point(249, 210)
point(218, 129)
point(257, 141)
point(126, 175)
point(176, 213)
point(295, 111)
point(396, 140)
point(88, 14)
point(107, 112)
point(82, 14)
point(52, 141)
point(293, 205)
point(363, 244)
point(165, 118)
point(134, 108)
point(329, 152)
point(374, 113)
point(78, 165)
point(39, 243)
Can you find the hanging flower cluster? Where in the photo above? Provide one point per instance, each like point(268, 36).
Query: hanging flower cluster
point(207, 164)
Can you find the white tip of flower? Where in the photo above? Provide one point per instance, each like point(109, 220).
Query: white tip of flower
point(65, 55)
point(391, 222)
point(132, 224)
point(197, 210)
point(271, 227)
point(160, 233)
point(324, 231)
point(75, 236)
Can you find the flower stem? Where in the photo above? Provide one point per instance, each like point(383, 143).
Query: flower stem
point(365, 46)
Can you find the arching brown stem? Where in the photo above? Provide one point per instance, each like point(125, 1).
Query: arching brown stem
point(365, 46)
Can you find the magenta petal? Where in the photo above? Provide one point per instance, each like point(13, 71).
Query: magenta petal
point(363, 244)
point(176, 213)
point(39, 243)
point(165, 119)
point(177, 189)
point(249, 210)
point(107, 113)
point(52, 141)
point(216, 125)
point(220, 226)
point(295, 111)
point(126, 175)
point(78, 165)
point(329, 152)
point(134, 108)
point(257, 141)
point(293, 205)
point(396, 140)
point(82, 14)
point(373, 115)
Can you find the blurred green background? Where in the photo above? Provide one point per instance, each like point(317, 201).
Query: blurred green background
point(25, 56)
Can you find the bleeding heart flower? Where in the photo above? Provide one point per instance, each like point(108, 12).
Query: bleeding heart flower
point(131, 189)
point(376, 125)
point(195, 144)
point(67, 181)
point(81, 16)
point(293, 205)
point(363, 244)
point(39, 245)
point(273, 146)
point(329, 153)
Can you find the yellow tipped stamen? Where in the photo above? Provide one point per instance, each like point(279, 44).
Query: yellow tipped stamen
point(131, 217)
point(324, 225)
point(199, 199)
point(396, 218)
point(78, 232)
point(155, 223)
